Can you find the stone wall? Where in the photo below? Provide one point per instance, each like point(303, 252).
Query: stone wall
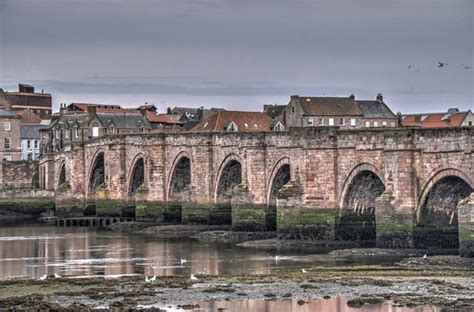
point(19, 174)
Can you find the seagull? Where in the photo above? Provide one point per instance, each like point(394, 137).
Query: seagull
point(183, 261)
point(410, 66)
point(441, 64)
point(304, 271)
point(43, 277)
point(425, 256)
point(277, 258)
point(56, 275)
point(194, 278)
point(150, 279)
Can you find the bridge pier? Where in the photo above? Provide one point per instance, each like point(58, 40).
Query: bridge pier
point(246, 215)
point(466, 226)
point(295, 221)
point(393, 229)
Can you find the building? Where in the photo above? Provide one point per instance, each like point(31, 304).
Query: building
point(238, 121)
point(10, 145)
point(30, 141)
point(27, 99)
point(452, 118)
point(344, 112)
point(376, 113)
point(84, 121)
point(191, 116)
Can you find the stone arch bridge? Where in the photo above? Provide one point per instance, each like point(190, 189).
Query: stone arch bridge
point(389, 187)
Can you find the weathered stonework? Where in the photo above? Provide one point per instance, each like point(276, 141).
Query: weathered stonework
point(466, 226)
point(323, 165)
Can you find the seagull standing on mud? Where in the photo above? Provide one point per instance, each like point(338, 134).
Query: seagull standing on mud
point(194, 278)
point(43, 277)
point(56, 275)
point(183, 261)
point(151, 279)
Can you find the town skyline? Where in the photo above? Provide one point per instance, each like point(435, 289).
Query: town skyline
point(240, 55)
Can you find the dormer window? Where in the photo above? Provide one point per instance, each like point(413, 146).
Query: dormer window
point(278, 127)
point(246, 125)
point(232, 127)
point(310, 122)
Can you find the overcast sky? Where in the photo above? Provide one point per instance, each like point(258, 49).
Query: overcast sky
point(240, 54)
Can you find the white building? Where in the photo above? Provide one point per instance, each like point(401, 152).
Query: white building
point(30, 141)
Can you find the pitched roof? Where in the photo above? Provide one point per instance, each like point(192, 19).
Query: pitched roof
point(123, 121)
point(28, 117)
point(245, 121)
point(30, 131)
point(6, 113)
point(434, 120)
point(329, 106)
point(274, 110)
point(152, 117)
point(193, 111)
point(375, 109)
point(102, 108)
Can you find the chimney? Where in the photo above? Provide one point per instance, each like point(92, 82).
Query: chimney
point(352, 97)
point(91, 110)
point(379, 97)
point(453, 110)
point(200, 113)
point(168, 110)
point(143, 110)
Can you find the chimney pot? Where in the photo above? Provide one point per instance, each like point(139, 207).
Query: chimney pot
point(379, 97)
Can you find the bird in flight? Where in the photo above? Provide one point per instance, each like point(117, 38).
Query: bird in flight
point(466, 67)
point(441, 64)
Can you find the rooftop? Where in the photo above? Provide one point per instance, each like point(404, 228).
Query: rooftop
point(328, 106)
point(245, 121)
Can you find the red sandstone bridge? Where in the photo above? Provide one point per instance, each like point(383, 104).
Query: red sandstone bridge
point(389, 187)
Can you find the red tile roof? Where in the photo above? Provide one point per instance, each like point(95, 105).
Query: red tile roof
point(436, 120)
point(28, 117)
point(152, 117)
point(245, 121)
point(106, 108)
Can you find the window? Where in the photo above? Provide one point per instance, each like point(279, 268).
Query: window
point(95, 132)
point(310, 122)
point(7, 125)
point(376, 123)
point(7, 157)
point(470, 123)
point(321, 121)
point(232, 127)
point(8, 143)
point(331, 121)
point(36, 143)
point(111, 130)
point(341, 122)
point(76, 133)
point(66, 133)
point(292, 109)
point(392, 124)
point(353, 122)
point(57, 134)
point(384, 123)
point(28, 144)
point(30, 156)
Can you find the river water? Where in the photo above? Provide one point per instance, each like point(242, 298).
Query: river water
point(32, 251)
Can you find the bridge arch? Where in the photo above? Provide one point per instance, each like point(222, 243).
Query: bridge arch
point(356, 218)
point(281, 175)
point(436, 213)
point(229, 176)
point(137, 176)
point(180, 175)
point(97, 174)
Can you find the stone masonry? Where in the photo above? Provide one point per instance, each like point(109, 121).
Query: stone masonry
point(319, 203)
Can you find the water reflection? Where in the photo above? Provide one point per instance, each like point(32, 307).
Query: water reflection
point(336, 304)
point(36, 250)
